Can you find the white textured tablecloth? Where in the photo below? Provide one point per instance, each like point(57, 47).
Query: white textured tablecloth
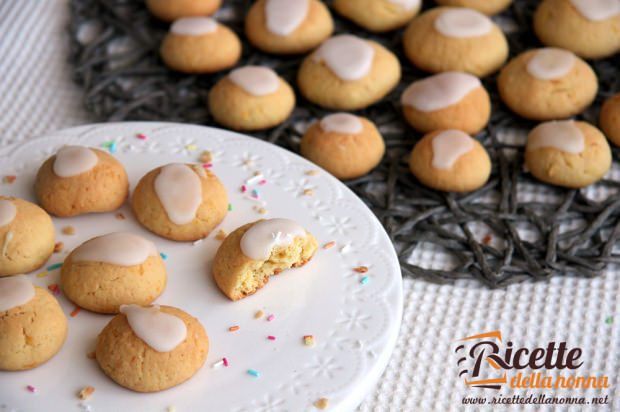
point(38, 96)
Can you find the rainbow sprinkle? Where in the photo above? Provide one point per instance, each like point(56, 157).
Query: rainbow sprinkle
point(233, 328)
point(207, 165)
point(244, 188)
point(31, 389)
point(225, 361)
point(255, 193)
point(163, 255)
point(609, 320)
point(110, 145)
point(271, 337)
point(54, 288)
point(309, 340)
point(141, 136)
point(365, 280)
point(75, 311)
point(42, 274)
point(191, 147)
point(230, 207)
point(54, 267)
point(271, 317)
point(254, 373)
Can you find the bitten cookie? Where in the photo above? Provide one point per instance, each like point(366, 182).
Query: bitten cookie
point(180, 202)
point(169, 10)
point(451, 161)
point(251, 98)
point(33, 326)
point(200, 45)
point(378, 15)
point(567, 153)
point(251, 254)
point(26, 236)
point(288, 26)
point(345, 145)
point(149, 349)
point(488, 7)
point(590, 28)
point(455, 39)
point(609, 120)
point(79, 180)
point(113, 270)
point(451, 100)
point(348, 73)
point(545, 84)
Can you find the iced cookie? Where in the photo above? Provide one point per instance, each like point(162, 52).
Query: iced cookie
point(149, 349)
point(348, 73)
point(378, 15)
point(33, 326)
point(26, 236)
point(251, 98)
point(113, 270)
point(451, 161)
point(255, 251)
point(455, 39)
point(180, 201)
point(170, 10)
point(488, 7)
point(545, 84)
point(590, 28)
point(345, 145)
point(79, 180)
point(450, 100)
point(200, 45)
point(288, 26)
point(567, 153)
point(609, 120)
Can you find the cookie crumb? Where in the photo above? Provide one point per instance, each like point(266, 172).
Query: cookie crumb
point(329, 245)
point(58, 247)
point(308, 192)
point(260, 210)
point(171, 409)
point(259, 314)
point(221, 235)
point(86, 393)
point(312, 172)
point(322, 403)
point(91, 355)
point(233, 328)
point(9, 179)
point(68, 230)
point(75, 311)
point(487, 239)
point(120, 216)
point(361, 269)
point(309, 340)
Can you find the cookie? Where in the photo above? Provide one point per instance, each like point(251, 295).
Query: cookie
point(345, 145)
point(112, 270)
point(26, 236)
point(378, 15)
point(149, 349)
point(589, 28)
point(251, 254)
point(488, 7)
point(450, 100)
point(567, 153)
point(33, 326)
point(170, 10)
point(451, 161)
point(288, 26)
point(609, 120)
point(200, 45)
point(455, 39)
point(546, 84)
point(180, 202)
point(79, 180)
point(348, 73)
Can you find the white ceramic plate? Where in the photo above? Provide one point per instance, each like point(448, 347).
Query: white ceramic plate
point(354, 324)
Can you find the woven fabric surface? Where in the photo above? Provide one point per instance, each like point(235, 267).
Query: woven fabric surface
point(38, 96)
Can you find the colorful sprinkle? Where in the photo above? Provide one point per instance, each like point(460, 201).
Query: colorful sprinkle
point(68, 230)
point(86, 392)
point(54, 288)
point(361, 269)
point(230, 207)
point(262, 182)
point(322, 403)
point(207, 165)
point(609, 320)
point(309, 340)
point(255, 193)
point(54, 267)
point(259, 314)
point(225, 361)
point(254, 373)
point(9, 179)
point(233, 328)
point(271, 337)
point(271, 317)
point(191, 147)
point(141, 136)
point(42, 274)
point(244, 188)
point(112, 147)
point(163, 255)
point(75, 311)
point(261, 210)
point(31, 389)
point(329, 245)
point(365, 280)
point(58, 247)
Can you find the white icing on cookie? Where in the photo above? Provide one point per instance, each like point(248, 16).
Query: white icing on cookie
point(597, 10)
point(260, 239)
point(551, 63)
point(461, 22)
point(122, 249)
point(256, 80)
point(344, 123)
point(194, 26)
point(285, 16)
point(407, 4)
point(8, 211)
point(439, 91)
point(161, 331)
point(15, 291)
point(562, 135)
point(179, 190)
point(347, 56)
point(449, 146)
point(74, 160)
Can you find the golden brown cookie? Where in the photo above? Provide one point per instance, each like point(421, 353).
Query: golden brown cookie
point(589, 28)
point(488, 7)
point(200, 45)
point(348, 73)
point(609, 120)
point(252, 253)
point(79, 180)
point(180, 202)
point(26, 236)
point(455, 39)
point(169, 10)
point(378, 15)
point(567, 153)
point(345, 145)
point(451, 161)
point(546, 84)
point(288, 26)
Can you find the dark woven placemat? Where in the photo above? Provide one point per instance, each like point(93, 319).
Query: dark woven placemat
point(497, 235)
